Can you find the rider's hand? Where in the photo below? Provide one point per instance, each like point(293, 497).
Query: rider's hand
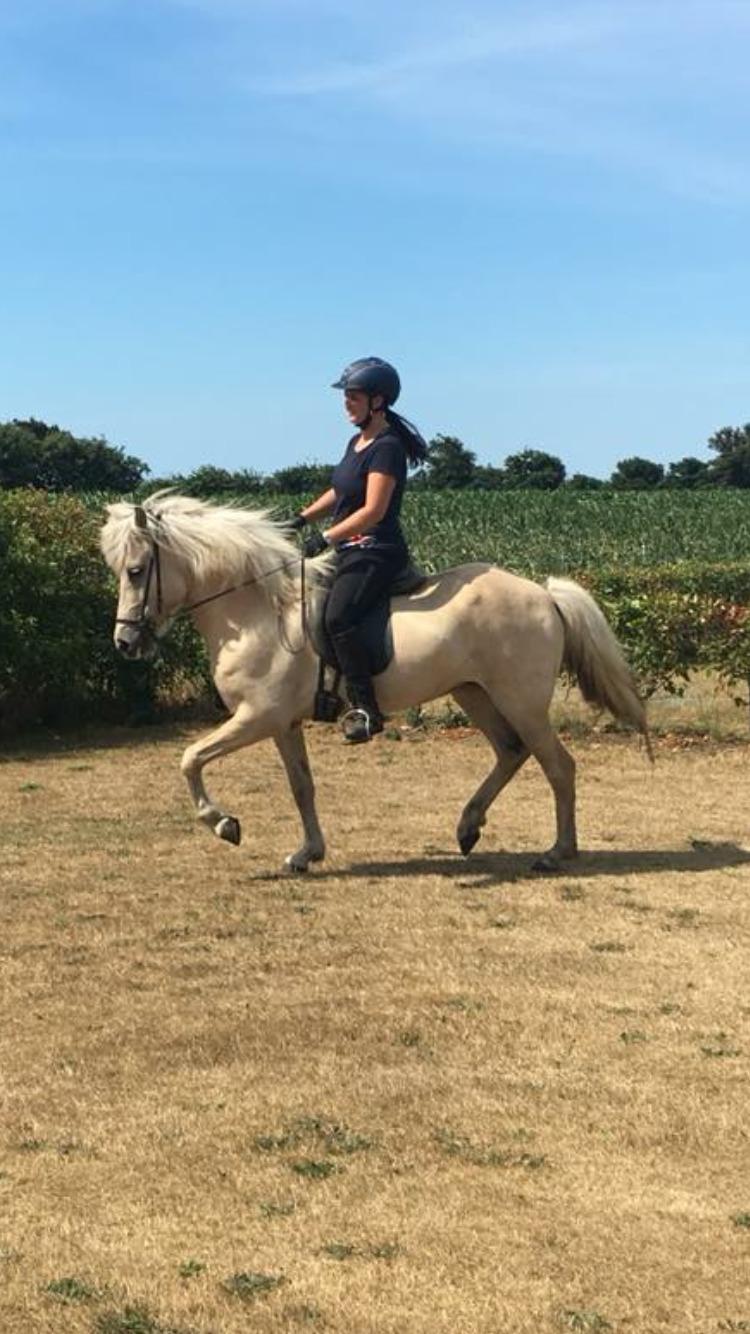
point(314, 544)
point(297, 523)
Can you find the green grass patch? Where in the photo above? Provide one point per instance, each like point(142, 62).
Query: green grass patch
point(270, 1209)
point(314, 1169)
point(332, 1136)
point(191, 1268)
point(584, 1321)
point(248, 1284)
point(455, 1145)
point(133, 1320)
point(71, 1289)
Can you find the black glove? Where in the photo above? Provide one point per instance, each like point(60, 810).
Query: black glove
point(297, 523)
point(314, 544)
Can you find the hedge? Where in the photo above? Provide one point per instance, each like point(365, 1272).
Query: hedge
point(57, 599)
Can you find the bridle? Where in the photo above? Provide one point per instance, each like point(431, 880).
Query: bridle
point(142, 618)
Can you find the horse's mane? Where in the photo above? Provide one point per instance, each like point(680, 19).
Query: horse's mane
point(217, 543)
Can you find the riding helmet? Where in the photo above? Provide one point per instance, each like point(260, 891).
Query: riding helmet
point(373, 376)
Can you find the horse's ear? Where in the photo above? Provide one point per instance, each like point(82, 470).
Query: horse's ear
point(140, 517)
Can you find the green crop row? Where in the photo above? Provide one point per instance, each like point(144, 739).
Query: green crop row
point(565, 532)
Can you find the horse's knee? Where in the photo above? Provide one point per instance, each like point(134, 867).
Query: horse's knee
point(189, 762)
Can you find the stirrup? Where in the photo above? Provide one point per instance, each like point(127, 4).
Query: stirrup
point(358, 725)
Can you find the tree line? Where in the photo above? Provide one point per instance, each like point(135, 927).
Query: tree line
point(33, 454)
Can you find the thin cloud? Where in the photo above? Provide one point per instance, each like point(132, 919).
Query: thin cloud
point(651, 91)
point(618, 35)
point(479, 45)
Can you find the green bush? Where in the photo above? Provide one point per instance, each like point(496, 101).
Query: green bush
point(678, 619)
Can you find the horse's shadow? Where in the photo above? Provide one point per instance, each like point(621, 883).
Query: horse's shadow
point(484, 869)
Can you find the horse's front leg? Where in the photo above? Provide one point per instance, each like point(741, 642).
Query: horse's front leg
point(243, 729)
point(293, 751)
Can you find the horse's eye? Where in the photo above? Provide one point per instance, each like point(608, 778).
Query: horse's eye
point(135, 572)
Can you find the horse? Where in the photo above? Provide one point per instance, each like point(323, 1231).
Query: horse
point(494, 640)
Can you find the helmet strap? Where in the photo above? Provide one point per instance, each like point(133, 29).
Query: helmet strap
point(365, 422)
point(362, 426)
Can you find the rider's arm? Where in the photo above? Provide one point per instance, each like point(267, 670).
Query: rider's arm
point(322, 505)
point(380, 488)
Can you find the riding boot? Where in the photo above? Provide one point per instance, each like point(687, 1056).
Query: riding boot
point(364, 718)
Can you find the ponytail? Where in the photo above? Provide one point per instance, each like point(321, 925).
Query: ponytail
point(413, 441)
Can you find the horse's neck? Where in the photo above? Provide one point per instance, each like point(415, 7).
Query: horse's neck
point(225, 611)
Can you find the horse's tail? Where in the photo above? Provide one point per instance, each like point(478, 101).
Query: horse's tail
point(593, 656)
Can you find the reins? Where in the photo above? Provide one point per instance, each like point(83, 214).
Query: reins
point(246, 583)
point(213, 597)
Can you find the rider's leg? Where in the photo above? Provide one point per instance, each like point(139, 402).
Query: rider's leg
point(365, 718)
point(362, 579)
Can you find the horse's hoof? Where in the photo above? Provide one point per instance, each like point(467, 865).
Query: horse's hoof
point(466, 841)
point(294, 867)
point(299, 861)
point(229, 829)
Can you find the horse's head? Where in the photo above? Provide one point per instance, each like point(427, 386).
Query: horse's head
point(152, 587)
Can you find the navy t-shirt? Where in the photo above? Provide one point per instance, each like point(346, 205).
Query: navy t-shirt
point(386, 454)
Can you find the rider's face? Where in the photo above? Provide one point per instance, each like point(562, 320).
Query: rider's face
point(357, 405)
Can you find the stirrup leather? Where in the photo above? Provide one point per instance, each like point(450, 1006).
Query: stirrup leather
point(327, 704)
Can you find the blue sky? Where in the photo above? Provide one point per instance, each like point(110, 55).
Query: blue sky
point(539, 212)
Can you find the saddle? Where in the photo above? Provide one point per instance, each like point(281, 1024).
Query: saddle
point(375, 635)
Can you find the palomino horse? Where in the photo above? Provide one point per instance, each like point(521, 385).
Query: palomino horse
point(495, 641)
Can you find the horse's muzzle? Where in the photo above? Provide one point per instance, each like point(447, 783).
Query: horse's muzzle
point(135, 642)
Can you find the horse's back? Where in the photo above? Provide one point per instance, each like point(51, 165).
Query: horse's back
point(472, 623)
point(470, 584)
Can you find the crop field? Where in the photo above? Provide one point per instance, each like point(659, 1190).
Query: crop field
point(407, 1094)
point(562, 532)
point(554, 532)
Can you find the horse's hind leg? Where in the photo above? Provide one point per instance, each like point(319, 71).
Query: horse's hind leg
point(510, 751)
point(559, 769)
point(292, 749)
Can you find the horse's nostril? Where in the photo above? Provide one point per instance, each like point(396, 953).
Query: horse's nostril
point(124, 647)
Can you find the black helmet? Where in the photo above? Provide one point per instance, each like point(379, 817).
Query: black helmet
point(373, 376)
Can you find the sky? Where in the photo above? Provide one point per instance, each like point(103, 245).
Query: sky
point(539, 212)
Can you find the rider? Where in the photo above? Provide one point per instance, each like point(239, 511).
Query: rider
point(365, 500)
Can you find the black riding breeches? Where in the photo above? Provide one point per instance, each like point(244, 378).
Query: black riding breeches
point(361, 580)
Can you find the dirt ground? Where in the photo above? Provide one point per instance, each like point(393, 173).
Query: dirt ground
point(406, 1094)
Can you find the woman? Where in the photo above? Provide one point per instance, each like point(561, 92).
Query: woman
point(365, 501)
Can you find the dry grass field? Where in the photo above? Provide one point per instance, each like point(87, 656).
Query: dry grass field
point(408, 1094)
